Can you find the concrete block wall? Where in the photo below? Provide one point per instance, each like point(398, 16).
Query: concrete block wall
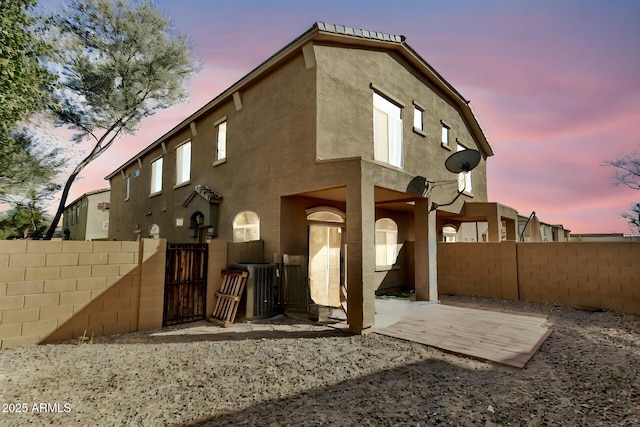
point(603, 275)
point(52, 290)
point(477, 269)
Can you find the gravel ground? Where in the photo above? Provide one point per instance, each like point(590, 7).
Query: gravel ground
point(292, 373)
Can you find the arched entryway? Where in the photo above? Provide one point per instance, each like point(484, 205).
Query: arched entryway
point(326, 253)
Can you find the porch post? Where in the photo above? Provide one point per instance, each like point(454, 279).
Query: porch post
point(421, 226)
point(360, 256)
point(433, 256)
point(493, 225)
point(426, 273)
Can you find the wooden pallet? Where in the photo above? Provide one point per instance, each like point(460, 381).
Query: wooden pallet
point(228, 298)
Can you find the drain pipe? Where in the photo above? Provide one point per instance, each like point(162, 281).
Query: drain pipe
point(525, 225)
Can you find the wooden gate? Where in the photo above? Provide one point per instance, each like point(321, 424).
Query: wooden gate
point(185, 286)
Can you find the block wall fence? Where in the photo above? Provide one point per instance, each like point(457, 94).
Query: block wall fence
point(55, 290)
point(601, 275)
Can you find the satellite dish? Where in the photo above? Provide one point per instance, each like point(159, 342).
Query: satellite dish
point(462, 161)
point(418, 186)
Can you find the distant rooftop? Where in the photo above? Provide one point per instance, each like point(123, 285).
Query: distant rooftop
point(357, 32)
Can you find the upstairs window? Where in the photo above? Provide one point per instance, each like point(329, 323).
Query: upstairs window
point(386, 242)
point(183, 163)
point(445, 135)
point(221, 141)
point(464, 178)
point(418, 118)
point(246, 227)
point(156, 176)
point(387, 131)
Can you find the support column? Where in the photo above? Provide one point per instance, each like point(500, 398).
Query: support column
point(433, 256)
point(360, 257)
point(426, 273)
point(493, 224)
point(512, 229)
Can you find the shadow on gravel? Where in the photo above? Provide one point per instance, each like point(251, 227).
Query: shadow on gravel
point(221, 336)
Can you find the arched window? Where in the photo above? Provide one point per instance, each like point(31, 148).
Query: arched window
point(386, 242)
point(154, 231)
point(449, 233)
point(246, 227)
point(325, 214)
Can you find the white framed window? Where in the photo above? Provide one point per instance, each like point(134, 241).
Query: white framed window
point(445, 135)
point(127, 187)
point(387, 131)
point(464, 178)
point(386, 242)
point(221, 141)
point(246, 227)
point(449, 233)
point(418, 118)
point(183, 163)
point(156, 176)
point(154, 231)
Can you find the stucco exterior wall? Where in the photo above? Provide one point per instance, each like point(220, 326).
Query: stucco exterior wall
point(270, 145)
point(345, 114)
point(84, 220)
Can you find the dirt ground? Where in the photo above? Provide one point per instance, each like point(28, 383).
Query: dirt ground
point(293, 373)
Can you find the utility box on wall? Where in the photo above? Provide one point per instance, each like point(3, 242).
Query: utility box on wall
point(261, 296)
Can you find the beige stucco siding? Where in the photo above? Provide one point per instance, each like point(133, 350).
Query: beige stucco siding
point(345, 112)
point(270, 145)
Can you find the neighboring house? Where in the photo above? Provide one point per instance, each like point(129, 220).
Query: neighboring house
point(322, 152)
point(87, 217)
point(534, 230)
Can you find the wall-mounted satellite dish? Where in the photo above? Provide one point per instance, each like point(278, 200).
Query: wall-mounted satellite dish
point(418, 186)
point(462, 161)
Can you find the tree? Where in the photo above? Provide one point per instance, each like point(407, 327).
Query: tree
point(25, 221)
point(24, 88)
point(30, 172)
point(627, 172)
point(119, 63)
point(633, 216)
point(23, 79)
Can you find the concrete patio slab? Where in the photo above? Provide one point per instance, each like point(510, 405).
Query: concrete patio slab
point(505, 338)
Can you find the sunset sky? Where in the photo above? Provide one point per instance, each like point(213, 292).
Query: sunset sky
point(555, 85)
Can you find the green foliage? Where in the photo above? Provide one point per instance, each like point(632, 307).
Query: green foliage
point(25, 221)
point(24, 88)
point(119, 63)
point(27, 170)
point(23, 80)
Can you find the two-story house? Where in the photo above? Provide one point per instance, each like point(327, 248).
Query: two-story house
point(87, 217)
point(317, 152)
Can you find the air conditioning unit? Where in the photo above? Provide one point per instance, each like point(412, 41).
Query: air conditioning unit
point(261, 292)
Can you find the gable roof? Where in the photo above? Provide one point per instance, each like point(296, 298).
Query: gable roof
point(321, 31)
point(206, 193)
